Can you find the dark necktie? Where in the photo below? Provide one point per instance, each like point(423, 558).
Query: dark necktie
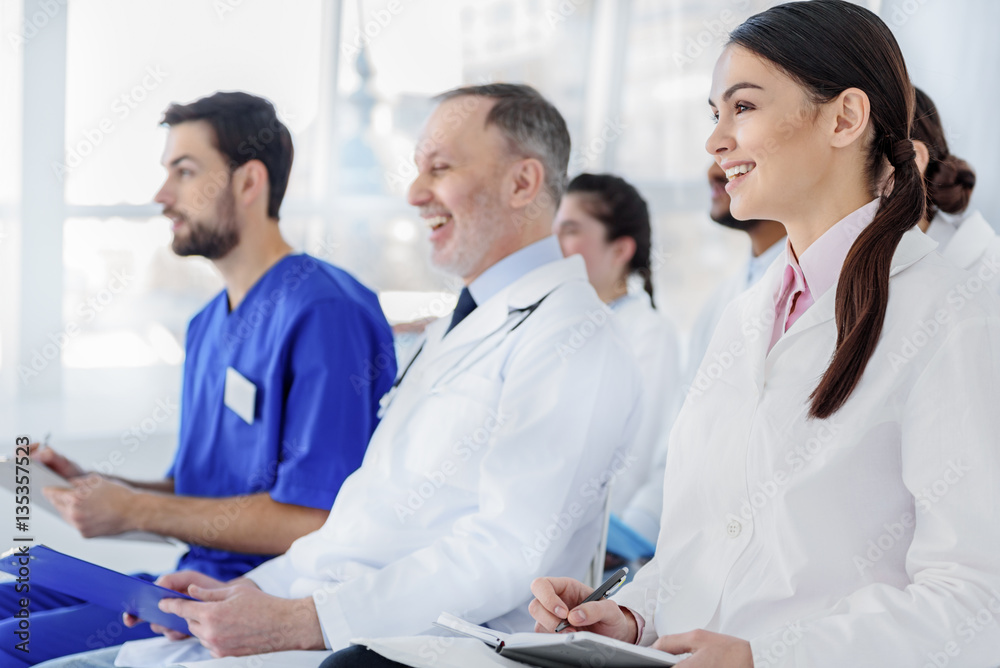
point(466, 305)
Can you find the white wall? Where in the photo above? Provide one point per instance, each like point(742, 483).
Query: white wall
point(953, 54)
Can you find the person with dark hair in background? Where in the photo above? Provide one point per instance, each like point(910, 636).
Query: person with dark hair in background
point(605, 220)
point(278, 400)
point(829, 498)
point(491, 464)
point(766, 244)
point(965, 239)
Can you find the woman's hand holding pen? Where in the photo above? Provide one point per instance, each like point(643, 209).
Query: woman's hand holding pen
point(607, 618)
point(561, 599)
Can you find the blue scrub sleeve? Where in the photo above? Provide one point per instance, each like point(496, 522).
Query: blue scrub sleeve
point(341, 363)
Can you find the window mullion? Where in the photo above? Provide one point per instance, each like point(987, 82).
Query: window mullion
point(42, 202)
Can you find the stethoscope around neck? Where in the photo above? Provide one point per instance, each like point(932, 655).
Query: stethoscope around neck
point(499, 335)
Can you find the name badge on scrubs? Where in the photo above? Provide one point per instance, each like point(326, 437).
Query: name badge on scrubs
point(240, 395)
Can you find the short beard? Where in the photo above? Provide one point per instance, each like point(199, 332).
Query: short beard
point(734, 224)
point(212, 241)
point(480, 241)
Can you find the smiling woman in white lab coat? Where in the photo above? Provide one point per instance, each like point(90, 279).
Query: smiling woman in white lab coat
point(605, 220)
point(831, 496)
point(965, 239)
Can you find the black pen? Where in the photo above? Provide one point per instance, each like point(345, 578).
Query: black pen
point(603, 591)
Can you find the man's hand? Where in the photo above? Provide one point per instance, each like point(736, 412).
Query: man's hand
point(95, 505)
point(181, 581)
point(707, 649)
point(46, 455)
point(239, 619)
point(558, 599)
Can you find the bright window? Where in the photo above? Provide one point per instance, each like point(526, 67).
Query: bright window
point(176, 51)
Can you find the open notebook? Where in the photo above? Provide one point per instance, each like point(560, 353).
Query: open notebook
point(549, 650)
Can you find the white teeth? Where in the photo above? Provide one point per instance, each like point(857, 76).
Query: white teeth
point(437, 221)
point(733, 172)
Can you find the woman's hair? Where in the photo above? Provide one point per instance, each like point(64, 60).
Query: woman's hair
point(623, 212)
point(949, 179)
point(828, 46)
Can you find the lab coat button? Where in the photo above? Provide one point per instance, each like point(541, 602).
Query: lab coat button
point(734, 528)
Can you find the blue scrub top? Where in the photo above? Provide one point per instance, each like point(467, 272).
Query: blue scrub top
point(315, 344)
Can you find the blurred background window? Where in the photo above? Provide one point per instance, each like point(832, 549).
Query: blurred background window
point(94, 305)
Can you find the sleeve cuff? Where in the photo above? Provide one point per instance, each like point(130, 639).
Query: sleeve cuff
point(633, 598)
point(274, 576)
point(332, 620)
point(640, 625)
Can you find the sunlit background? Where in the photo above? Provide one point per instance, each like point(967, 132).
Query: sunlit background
point(93, 304)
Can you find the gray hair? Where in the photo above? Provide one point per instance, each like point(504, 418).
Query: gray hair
point(531, 124)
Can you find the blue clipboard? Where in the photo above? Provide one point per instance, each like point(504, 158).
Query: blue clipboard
point(93, 583)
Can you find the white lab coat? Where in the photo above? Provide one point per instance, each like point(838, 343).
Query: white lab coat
point(489, 469)
point(652, 337)
point(643, 511)
point(972, 244)
point(867, 539)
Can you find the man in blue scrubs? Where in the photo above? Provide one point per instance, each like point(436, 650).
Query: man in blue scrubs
point(282, 381)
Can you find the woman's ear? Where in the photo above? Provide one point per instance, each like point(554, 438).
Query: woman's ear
point(923, 155)
point(624, 249)
point(852, 112)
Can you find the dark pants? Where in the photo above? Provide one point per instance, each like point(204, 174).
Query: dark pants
point(59, 625)
point(359, 657)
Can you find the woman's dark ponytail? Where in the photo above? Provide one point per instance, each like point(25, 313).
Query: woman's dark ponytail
point(623, 212)
point(647, 281)
point(863, 289)
point(829, 46)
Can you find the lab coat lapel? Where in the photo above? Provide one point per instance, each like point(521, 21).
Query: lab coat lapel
point(443, 352)
point(483, 320)
point(822, 311)
point(912, 246)
point(536, 284)
point(971, 237)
